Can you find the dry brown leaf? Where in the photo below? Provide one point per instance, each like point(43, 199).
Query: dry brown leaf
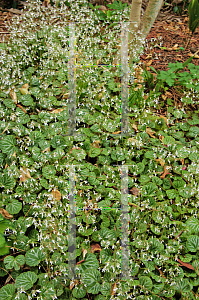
point(25, 174)
point(84, 252)
point(65, 96)
point(56, 194)
point(161, 161)
point(186, 264)
point(175, 47)
point(6, 166)
point(135, 127)
point(45, 150)
point(56, 111)
point(5, 214)
point(72, 284)
point(95, 247)
point(150, 132)
point(96, 144)
point(112, 288)
point(161, 137)
point(148, 63)
point(13, 96)
point(135, 191)
point(117, 132)
point(166, 121)
point(165, 172)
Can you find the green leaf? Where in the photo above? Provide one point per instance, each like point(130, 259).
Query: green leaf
point(34, 256)
point(90, 261)
point(79, 292)
point(26, 100)
point(7, 292)
point(7, 145)
point(2, 240)
point(193, 225)
point(11, 262)
point(182, 286)
point(14, 207)
point(193, 243)
point(91, 276)
point(79, 154)
point(26, 280)
point(94, 152)
point(146, 282)
point(48, 171)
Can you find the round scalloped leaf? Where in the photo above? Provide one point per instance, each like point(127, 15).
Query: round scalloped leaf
point(193, 243)
point(58, 141)
point(7, 145)
point(105, 288)
point(182, 152)
point(34, 256)
point(26, 100)
point(183, 286)
point(193, 225)
point(7, 292)
point(7, 181)
point(26, 280)
point(11, 262)
point(90, 261)
point(186, 192)
point(14, 207)
point(91, 276)
point(94, 152)
point(109, 125)
point(146, 282)
point(168, 140)
point(79, 292)
point(48, 171)
point(79, 154)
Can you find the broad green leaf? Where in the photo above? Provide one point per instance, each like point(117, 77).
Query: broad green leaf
point(34, 256)
point(26, 100)
point(90, 276)
point(94, 152)
point(146, 282)
point(79, 154)
point(2, 240)
point(7, 145)
point(14, 207)
point(7, 292)
point(79, 292)
point(26, 280)
point(182, 286)
point(193, 225)
point(193, 243)
point(48, 171)
point(90, 261)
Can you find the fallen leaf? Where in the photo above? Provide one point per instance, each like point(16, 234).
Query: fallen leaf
point(161, 137)
point(72, 284)
point(186, 264)
point(150, 132)
point(165, 172)
point(113, 291)
point(25, 174)
point(56, 111)
point(148, 63)
point(5, 214)
point(96, 144)
point(135, 127)
point(13, 96)
point(84, 252)
point(161, 161)
point(95, 248)
point(56, 194)
point(135, 191)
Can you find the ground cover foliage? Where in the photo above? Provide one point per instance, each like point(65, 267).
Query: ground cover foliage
point(36, 154)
